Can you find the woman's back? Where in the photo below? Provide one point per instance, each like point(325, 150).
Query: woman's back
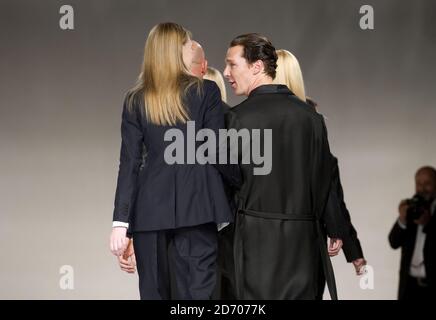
point(173, 190)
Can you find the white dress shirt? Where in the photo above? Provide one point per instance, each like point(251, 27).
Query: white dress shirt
point(417, 267)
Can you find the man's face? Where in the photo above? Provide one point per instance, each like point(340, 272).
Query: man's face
point(238, 72)
point(199, 62)
point(426, 185)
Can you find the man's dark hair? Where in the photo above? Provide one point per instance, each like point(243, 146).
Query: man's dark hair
point(257, 47)
point(427, 169)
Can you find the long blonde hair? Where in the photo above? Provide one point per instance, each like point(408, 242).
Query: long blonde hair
point(214, 75)
point(164, 78)
point(289, 73)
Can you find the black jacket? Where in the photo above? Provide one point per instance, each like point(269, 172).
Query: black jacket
point(405, 239)
point(336, 204)
point(164, 196)
point(277, 239)
point(336, 215)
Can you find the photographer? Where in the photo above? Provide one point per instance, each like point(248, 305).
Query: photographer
point(414, 232)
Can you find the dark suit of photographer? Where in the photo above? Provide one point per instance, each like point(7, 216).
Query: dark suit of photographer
point(414, 232)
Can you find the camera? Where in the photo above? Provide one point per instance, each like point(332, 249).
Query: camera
point(417, 206)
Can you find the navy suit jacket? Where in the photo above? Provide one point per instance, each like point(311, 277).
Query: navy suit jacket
point(164, 196)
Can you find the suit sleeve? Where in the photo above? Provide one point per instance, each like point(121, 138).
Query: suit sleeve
point(351, 244)
point(336, 223)
point(330, 212)
point(130, 161)
point(397, 236)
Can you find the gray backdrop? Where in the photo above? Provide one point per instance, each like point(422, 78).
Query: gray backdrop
point(60, 111)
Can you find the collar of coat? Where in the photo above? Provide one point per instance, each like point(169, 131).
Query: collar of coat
point(270, 88)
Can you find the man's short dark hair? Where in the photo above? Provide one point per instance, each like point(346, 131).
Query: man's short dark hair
point(427, 169)
point(257, 47)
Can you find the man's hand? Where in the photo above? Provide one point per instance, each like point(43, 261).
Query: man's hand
point(402, 209)
point(334, 247)
point(118, 240)
point(127, 261)
point(359, 265)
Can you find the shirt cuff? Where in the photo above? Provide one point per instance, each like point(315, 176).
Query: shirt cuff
point(402, 225)
point(120, 224)
point(221, 226)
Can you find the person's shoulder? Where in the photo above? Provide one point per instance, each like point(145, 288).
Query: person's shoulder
point(311, 102)
point(133, 100)
point(307, 108)
point(133, 105)
point(210, 87)
point(226, 107)
point(133, 95)
point(209, 84)
point(203, 84)
point(211, 91)
point(203, 88)
point(240, 107)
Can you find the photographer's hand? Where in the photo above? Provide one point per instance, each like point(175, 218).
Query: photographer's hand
point(403, 207)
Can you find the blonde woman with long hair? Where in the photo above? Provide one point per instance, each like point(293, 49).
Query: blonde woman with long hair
point(289, 73)
point(173, 201)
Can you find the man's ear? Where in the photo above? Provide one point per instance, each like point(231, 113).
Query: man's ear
point(258, 67)
point(204, 67)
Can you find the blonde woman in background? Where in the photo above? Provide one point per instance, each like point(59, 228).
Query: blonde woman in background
point(216, 76)
point(289, 73)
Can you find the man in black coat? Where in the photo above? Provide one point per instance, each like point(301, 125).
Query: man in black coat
point(414, 231)
point(278, 244)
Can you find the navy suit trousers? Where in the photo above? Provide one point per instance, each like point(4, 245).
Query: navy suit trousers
point(190, 253)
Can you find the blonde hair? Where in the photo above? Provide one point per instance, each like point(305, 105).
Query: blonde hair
point(214, 75)
point(164, 78)
point(288, 72)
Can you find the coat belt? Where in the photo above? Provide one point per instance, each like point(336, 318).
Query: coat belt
point(325, 259)
point(280, 216)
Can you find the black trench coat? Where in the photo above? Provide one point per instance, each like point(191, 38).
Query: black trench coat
point(278, 245)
